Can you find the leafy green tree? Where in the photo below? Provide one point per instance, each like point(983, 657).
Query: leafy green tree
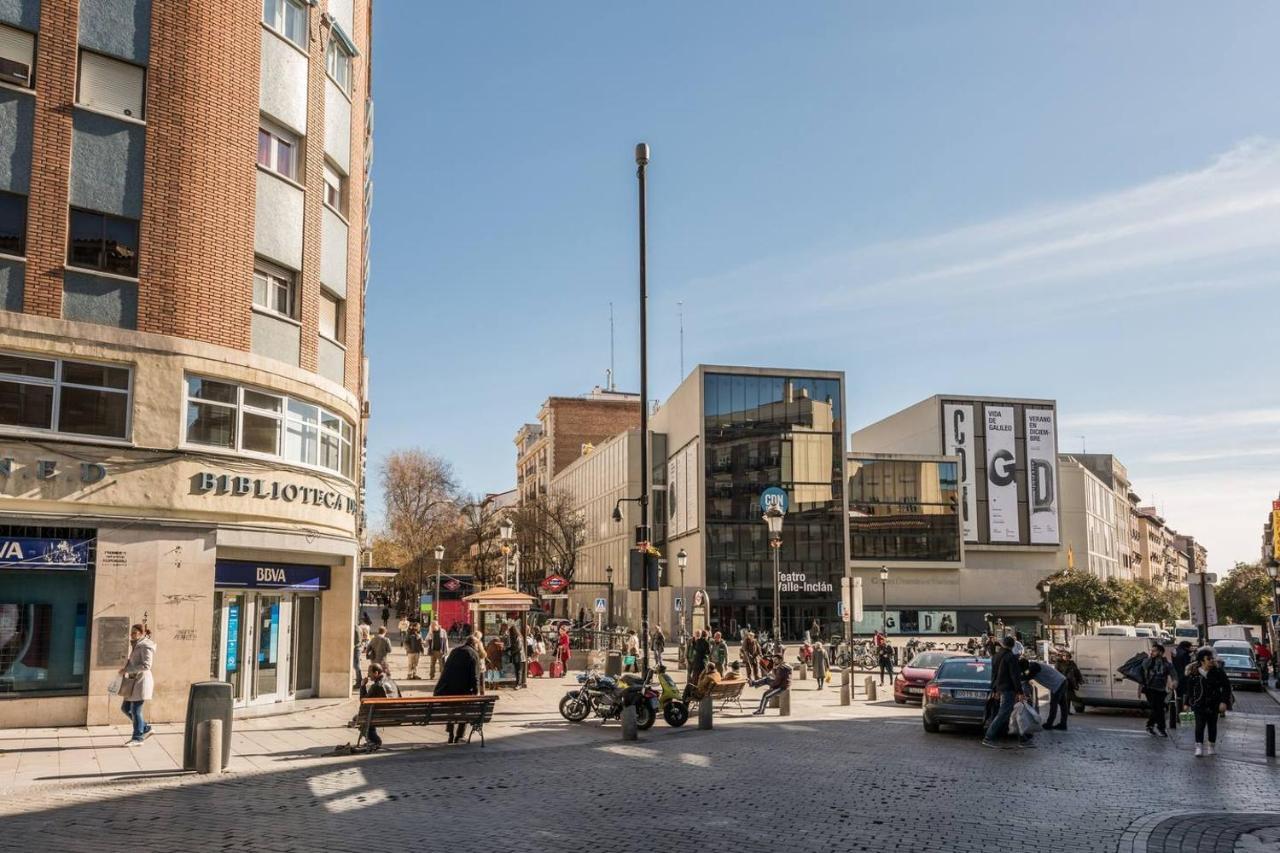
point(1080, 594)
point(1244, 595)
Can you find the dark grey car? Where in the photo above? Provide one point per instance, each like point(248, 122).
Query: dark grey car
point(957, 695)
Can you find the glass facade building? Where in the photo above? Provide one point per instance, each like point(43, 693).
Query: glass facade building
point(904, 510)
point(762, 431)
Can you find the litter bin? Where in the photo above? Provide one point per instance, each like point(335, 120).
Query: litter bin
point(613, 663)
point(207, 700)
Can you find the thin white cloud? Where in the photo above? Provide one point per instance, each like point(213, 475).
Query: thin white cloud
point(1175, 232)
point(1153, 421)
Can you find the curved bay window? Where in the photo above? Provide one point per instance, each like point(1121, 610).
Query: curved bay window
point(905, 510)
point(763, 431)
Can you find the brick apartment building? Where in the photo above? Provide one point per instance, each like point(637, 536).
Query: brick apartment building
point(183, 226)
point(566, 425)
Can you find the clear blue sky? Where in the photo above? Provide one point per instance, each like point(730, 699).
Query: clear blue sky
point(1078, 201)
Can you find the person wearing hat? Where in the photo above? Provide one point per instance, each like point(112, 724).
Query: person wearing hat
point(1208, 695)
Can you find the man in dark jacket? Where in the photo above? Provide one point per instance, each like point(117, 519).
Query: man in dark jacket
point(1071, 671)
point(1006, 682)
point(701, 651)
point(413, 647)
point(463, 675)
point(377, 686)
point(1157, 678)
point(1181, 660)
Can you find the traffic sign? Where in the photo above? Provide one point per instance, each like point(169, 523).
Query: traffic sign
point(774, 496)
point(554, 583)
point(600, 605)
point(679, 604)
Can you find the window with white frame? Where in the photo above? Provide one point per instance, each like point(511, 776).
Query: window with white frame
point(111, 86)
point(275, 289)
point(332, 317)
point(288, 18)
point(335, 189)
point(57, 395)
point(17, 56)
point(235, 418)
point(337, 61)
point(278, 150)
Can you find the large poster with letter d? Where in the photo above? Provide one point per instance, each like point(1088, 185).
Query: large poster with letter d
point(1042, 482)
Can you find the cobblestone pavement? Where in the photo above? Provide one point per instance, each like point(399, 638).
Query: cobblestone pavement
point(816, 782)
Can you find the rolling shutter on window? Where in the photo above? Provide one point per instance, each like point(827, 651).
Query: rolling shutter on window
point(111, 85)
point(17, 50)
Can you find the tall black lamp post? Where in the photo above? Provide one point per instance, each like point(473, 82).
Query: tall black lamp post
point(773, 522)
point(435, 609)
point(642, 532)
point(884, 601)
point(608, 575)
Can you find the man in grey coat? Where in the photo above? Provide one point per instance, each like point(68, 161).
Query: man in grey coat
point(136, 682)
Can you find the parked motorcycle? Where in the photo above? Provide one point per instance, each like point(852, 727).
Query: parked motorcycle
point(606, 697)
point(675, 710)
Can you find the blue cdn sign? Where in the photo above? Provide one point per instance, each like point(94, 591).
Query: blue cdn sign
point(245, 574)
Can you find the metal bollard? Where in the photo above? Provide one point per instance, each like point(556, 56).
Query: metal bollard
point(209, 747)
point(706, 709)
point(630, 730)
point(784, 703)
point(1271, 740)
point(870, 685)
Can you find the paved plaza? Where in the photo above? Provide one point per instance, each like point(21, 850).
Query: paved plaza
point(864, 777)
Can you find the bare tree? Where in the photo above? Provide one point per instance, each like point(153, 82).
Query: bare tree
point(551, 532)
point(479, 540)
point(421, 498)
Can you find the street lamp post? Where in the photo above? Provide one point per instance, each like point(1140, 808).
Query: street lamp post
point(682, 561)
point(884, 601)
point(1048, 628)
point(435, 605)
point(506, 533)
point(1273, 569)
point(773, 521)
point(608, 574)
point(642, 537)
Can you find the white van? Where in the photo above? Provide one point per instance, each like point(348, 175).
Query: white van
point(1246, 633)
point(1185, 629)
point(1151, 629)
point(1098, 658)
point(1117, 631)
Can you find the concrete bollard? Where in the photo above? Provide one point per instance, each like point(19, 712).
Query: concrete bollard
point(1271, 740)
point(870, 686)
point(845, 674)
point(784, 703)
point(804, 672)
point(630, 729)
point(706, 709)
point(209, 747)
point(846, 692)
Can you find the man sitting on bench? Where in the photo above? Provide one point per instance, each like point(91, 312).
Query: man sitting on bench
point(779, 680)
point(377, 686)
point(463, 675)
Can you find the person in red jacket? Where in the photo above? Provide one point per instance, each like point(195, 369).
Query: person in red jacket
point(1263, 654)
point(562, 647)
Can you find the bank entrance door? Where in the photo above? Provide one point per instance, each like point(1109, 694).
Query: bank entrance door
point(266, 623)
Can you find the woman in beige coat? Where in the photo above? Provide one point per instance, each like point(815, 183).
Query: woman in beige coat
point(137, 685)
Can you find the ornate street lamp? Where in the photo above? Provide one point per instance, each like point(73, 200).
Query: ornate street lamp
point(773, 522)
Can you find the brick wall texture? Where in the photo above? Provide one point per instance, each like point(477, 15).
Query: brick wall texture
point(578, 422)
point(197, 231)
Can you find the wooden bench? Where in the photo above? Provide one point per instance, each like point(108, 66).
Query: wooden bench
point(726, 693)
point(474, 711)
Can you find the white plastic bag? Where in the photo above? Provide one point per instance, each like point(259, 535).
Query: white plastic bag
point(1026, 719)
point(116, 683)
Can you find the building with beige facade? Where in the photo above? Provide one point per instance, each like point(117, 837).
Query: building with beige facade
point(1095, 514)
point(183, 225)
